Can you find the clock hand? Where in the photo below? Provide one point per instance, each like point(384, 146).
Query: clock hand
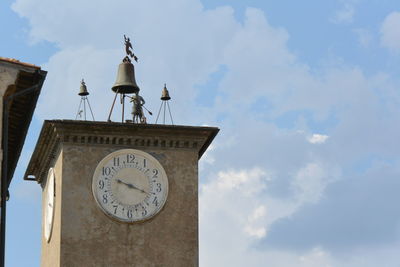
point(137, 188)
point(131, 186)
point(122, 182)
point(141, 190)
point(128, 185)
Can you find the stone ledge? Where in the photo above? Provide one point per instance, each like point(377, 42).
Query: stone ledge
point(56, 133)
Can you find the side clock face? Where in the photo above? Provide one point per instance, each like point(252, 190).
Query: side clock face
point(130, 185)
point(49, 204)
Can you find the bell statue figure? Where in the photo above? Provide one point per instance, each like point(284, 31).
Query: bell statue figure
point(137, 109)
point(128, 47)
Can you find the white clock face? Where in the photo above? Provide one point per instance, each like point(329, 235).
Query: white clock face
point(49, 204)
point(130, 185)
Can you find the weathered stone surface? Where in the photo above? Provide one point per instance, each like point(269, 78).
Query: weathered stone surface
point(51, 251)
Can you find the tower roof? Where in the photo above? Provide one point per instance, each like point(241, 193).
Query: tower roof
point(20, 84)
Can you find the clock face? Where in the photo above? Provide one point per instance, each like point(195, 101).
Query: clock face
point(49, 204)
point(130, 185)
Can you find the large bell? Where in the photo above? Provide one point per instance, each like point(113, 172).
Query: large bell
point(83, 90)
point(126, 83)
point(165, 93)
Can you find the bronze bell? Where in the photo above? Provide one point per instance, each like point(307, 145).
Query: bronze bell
point(126, 83)
point(165, 93)
point(83, 90)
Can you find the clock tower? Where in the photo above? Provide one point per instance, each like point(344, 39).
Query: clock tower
point(119, 194)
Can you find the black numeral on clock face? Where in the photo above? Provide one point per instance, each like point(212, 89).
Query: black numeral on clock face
point(106, 171)
point(115, 208)
point(129, 214)
point(155, 201)
point(101, 184)
point(155, 173)
point(158, 187)
point(116, 161)
point(144, 212)
point(105, 199)
point(130, 158)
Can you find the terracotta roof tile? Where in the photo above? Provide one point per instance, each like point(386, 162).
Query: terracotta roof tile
point(16, 61)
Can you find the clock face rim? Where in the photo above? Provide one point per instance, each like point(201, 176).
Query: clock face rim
point(50, 185)
point(104, 162)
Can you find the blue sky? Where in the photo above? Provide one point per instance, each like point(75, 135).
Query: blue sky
point(306, 168)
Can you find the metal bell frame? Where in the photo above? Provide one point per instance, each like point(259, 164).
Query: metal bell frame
point(165, 105)
point(83, 92)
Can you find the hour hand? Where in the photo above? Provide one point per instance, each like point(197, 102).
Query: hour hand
point(122, 182)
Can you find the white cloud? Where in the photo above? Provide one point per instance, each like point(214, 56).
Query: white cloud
point(310, 182)
point(257, 173)
point(344, 15)
point(390, 32)
point(318, 138)
point(316, 257)
point(226, 204)
point(255, 218)
point(237, 208)
point(255, 232)
point(92, 48)
point(208, 157)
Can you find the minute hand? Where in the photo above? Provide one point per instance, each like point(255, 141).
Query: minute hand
point(131, 186)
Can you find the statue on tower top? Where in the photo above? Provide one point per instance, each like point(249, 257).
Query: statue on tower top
point(128, 47)
point(137, 109)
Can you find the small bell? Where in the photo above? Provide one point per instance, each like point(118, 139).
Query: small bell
point(165, 93)
point(164, 105)
point(83, 90)
point(83, 93)
point(126, 83)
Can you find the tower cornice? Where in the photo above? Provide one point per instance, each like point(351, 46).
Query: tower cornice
point(56, 133)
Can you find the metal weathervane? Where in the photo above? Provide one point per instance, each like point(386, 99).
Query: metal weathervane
point(128, 47)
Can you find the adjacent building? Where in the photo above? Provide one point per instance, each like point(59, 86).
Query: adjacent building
point(20, 86)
